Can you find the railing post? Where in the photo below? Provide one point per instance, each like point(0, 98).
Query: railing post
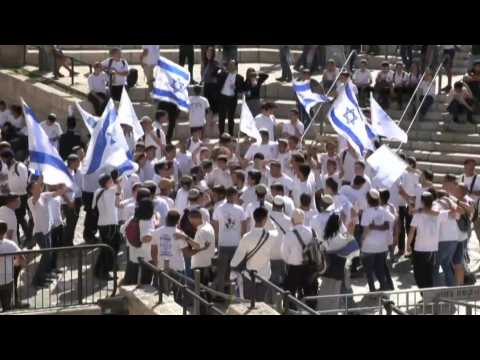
point(80, 277)
point(73, 70)
point(277, 301)
point(468, 310)
point(286, 304)
point(254, 289)
point(159, 286)
point(184, 301)
point(196, 302)
point(166, 268)
point(232, 292)
point(139, 273)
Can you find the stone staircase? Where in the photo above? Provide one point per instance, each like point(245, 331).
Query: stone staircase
point(437, 143)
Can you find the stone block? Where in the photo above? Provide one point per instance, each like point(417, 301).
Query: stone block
point(12, 55)
point(144, 301)
point(244, 309)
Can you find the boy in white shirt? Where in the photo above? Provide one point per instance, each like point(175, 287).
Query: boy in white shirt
point(266, 120)
point(268, 148)
point(383, 85)
point(97, 86)
point(198, 110)
point(149, 60)
point(205, 239)
point(295, 126)
point(117, 68)
point(52, 129)
point(362, 78)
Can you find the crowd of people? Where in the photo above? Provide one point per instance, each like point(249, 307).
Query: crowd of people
point(220, 210)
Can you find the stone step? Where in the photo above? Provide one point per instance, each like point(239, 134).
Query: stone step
point(132, 56)
point(130, 47)
point(439, 147)
point(440, 157)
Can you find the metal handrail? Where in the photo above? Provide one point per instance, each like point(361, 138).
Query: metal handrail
point(72, 61)
point(74, 249)
point(286, 295)
point(164, 275)
point(391, 308)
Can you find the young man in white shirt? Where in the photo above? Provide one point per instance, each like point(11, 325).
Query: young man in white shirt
point(255, 247)
point(117, 69)
point(107, 200)
point(277, 189)
point(301, 184)
point(399, 80)
point(220, 175)
point(383, 85)
point(154, 134)
point(295, 126)
point(97, 86)
point(266, 120)
point(254, 178)
point(300, 280)
point(260, 201)
point(472, 183)
point(149, 60)
point(427, 92)
point(362, 78)
point(229, 222)
point(268, 148)
point(205, 239)
point(348, 158)
point(8, 266)
point(53, 129)
point(198, 110)
point(276, 175)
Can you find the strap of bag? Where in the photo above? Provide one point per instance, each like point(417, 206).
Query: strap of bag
point(98, 198)
point(473, 183)
point(278, 224)
point(299, 238)
point(261, 242)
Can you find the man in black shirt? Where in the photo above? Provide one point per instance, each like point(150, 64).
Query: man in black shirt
point(69, 139)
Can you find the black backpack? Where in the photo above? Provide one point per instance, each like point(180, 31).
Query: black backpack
point(132, 78)
point(314, 254)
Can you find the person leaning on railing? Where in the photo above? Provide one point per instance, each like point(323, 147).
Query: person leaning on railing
point(7, 264)
point(97, 86)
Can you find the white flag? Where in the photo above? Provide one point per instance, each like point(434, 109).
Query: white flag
point(127, 116)
point(247, 123)
point(44, 156)
point(90, 120)
point(383, 125)
point(387, 166)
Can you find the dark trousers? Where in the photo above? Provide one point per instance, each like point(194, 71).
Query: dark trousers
point(109, 235)
point(383, 94)
point(301, 282)
point(16, 275)
point(6, 292)
point(91, 219)
point(173, 113)
point(357, 234)
point(71, 219)
point(44, 266)
point(187, 53)
point(286, 62)
point(225, 256)
point(364, 94)
point(131, 274)
point(406, 52)
point(374, 264)
point(20, 213)
point(249, 291)
point(56, 236)
point(116, 92)
point(456, 108)
point(210, 91)
point(426, 105)
point(402, 218)
point(98, 104)
point(398, 95)
point(424, 268)
point(227, 107)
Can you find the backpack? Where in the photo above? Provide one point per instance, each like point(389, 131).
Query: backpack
point(132, 233)
point(464, 223)
point(132, 78)
point(242, 266)
point(314, 255)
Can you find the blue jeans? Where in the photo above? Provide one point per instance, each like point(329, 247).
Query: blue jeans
point(446, 250)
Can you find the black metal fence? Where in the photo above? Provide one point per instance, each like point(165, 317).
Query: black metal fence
point(73, 283)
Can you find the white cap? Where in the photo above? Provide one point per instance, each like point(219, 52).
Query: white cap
point(374, 194)
point(278, 201)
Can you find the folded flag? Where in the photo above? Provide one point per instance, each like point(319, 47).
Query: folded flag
point(387, 166)
point(383, 125)
point(127, 115)
point(90, 120)
point(171, 81)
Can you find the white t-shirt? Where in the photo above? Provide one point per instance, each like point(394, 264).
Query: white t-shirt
point(98, 83)
point(229, 218)
point(267, 122)
point(292, 252)
point(269, 150)
point(254, 205)
point(18, 183)
point(428, 230)
point(467, 180)
point(449, 230)
point(324, 159)
point(248, 196)
point(118, 66)
point(205, 233)
point(229, 85)
point(285, 180)
point(153, 54)
point(6, 262)
point(7, 215)
point(410, 180)
point(55, 207)
point(348, 166)
point(107, 211)
point(156, 133)
point(169, 248)
point(283, 221)
point(219, 177)
point(199, 106)
point(299, 188)
point(53, 131)
point(376, 241)
point(289, 129)
point(146, 229)
point(362, 77)
point(181, 200)
point(318, 223)
point(42, 221)
point(185, 162)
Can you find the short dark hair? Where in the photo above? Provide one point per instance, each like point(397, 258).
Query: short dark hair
point(159, 114)
point(144, 209)
point(359, 180)
point(103, 179)
point(143, 193)
point(173, 217)
point(412, 161)
point(170, 147)
point(470, 160)
point(240, 174)
point(384, 196)
point(195, 214)
point(305, 200)
point(255, 175)
point(361, 163)
point(278, 187)
point(197, 90)
point(371, 201)
point(304, 170)
point(332, 184)
point(298, 157)
point(150, 185)
point(428, 174)
point(3, 228)
point(427, 200)
point(259, 156)
point(450, 178)
point(260, 214)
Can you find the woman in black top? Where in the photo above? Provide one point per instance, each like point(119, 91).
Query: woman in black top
point(210, 79)
point(253, 83)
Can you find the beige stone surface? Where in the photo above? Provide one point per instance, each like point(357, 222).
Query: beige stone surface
point(244, 309)
point(144, 301)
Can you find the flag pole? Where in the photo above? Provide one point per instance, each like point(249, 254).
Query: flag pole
point(423, 100)
point(327, 94)
point(411, 99)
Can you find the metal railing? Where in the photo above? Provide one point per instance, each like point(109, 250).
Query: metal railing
point(165, 282)
point(444, 305)
point(72, 63)
point(75, 284)
point(401, 302)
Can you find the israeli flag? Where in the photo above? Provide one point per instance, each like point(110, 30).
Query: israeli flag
point(171, 81)
point(347, 121)
point(89, 120)
point(44, 158)
point(108, 147)
point(247, 123)
point(306, 97)
point(349, 251)
point(383, 124)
